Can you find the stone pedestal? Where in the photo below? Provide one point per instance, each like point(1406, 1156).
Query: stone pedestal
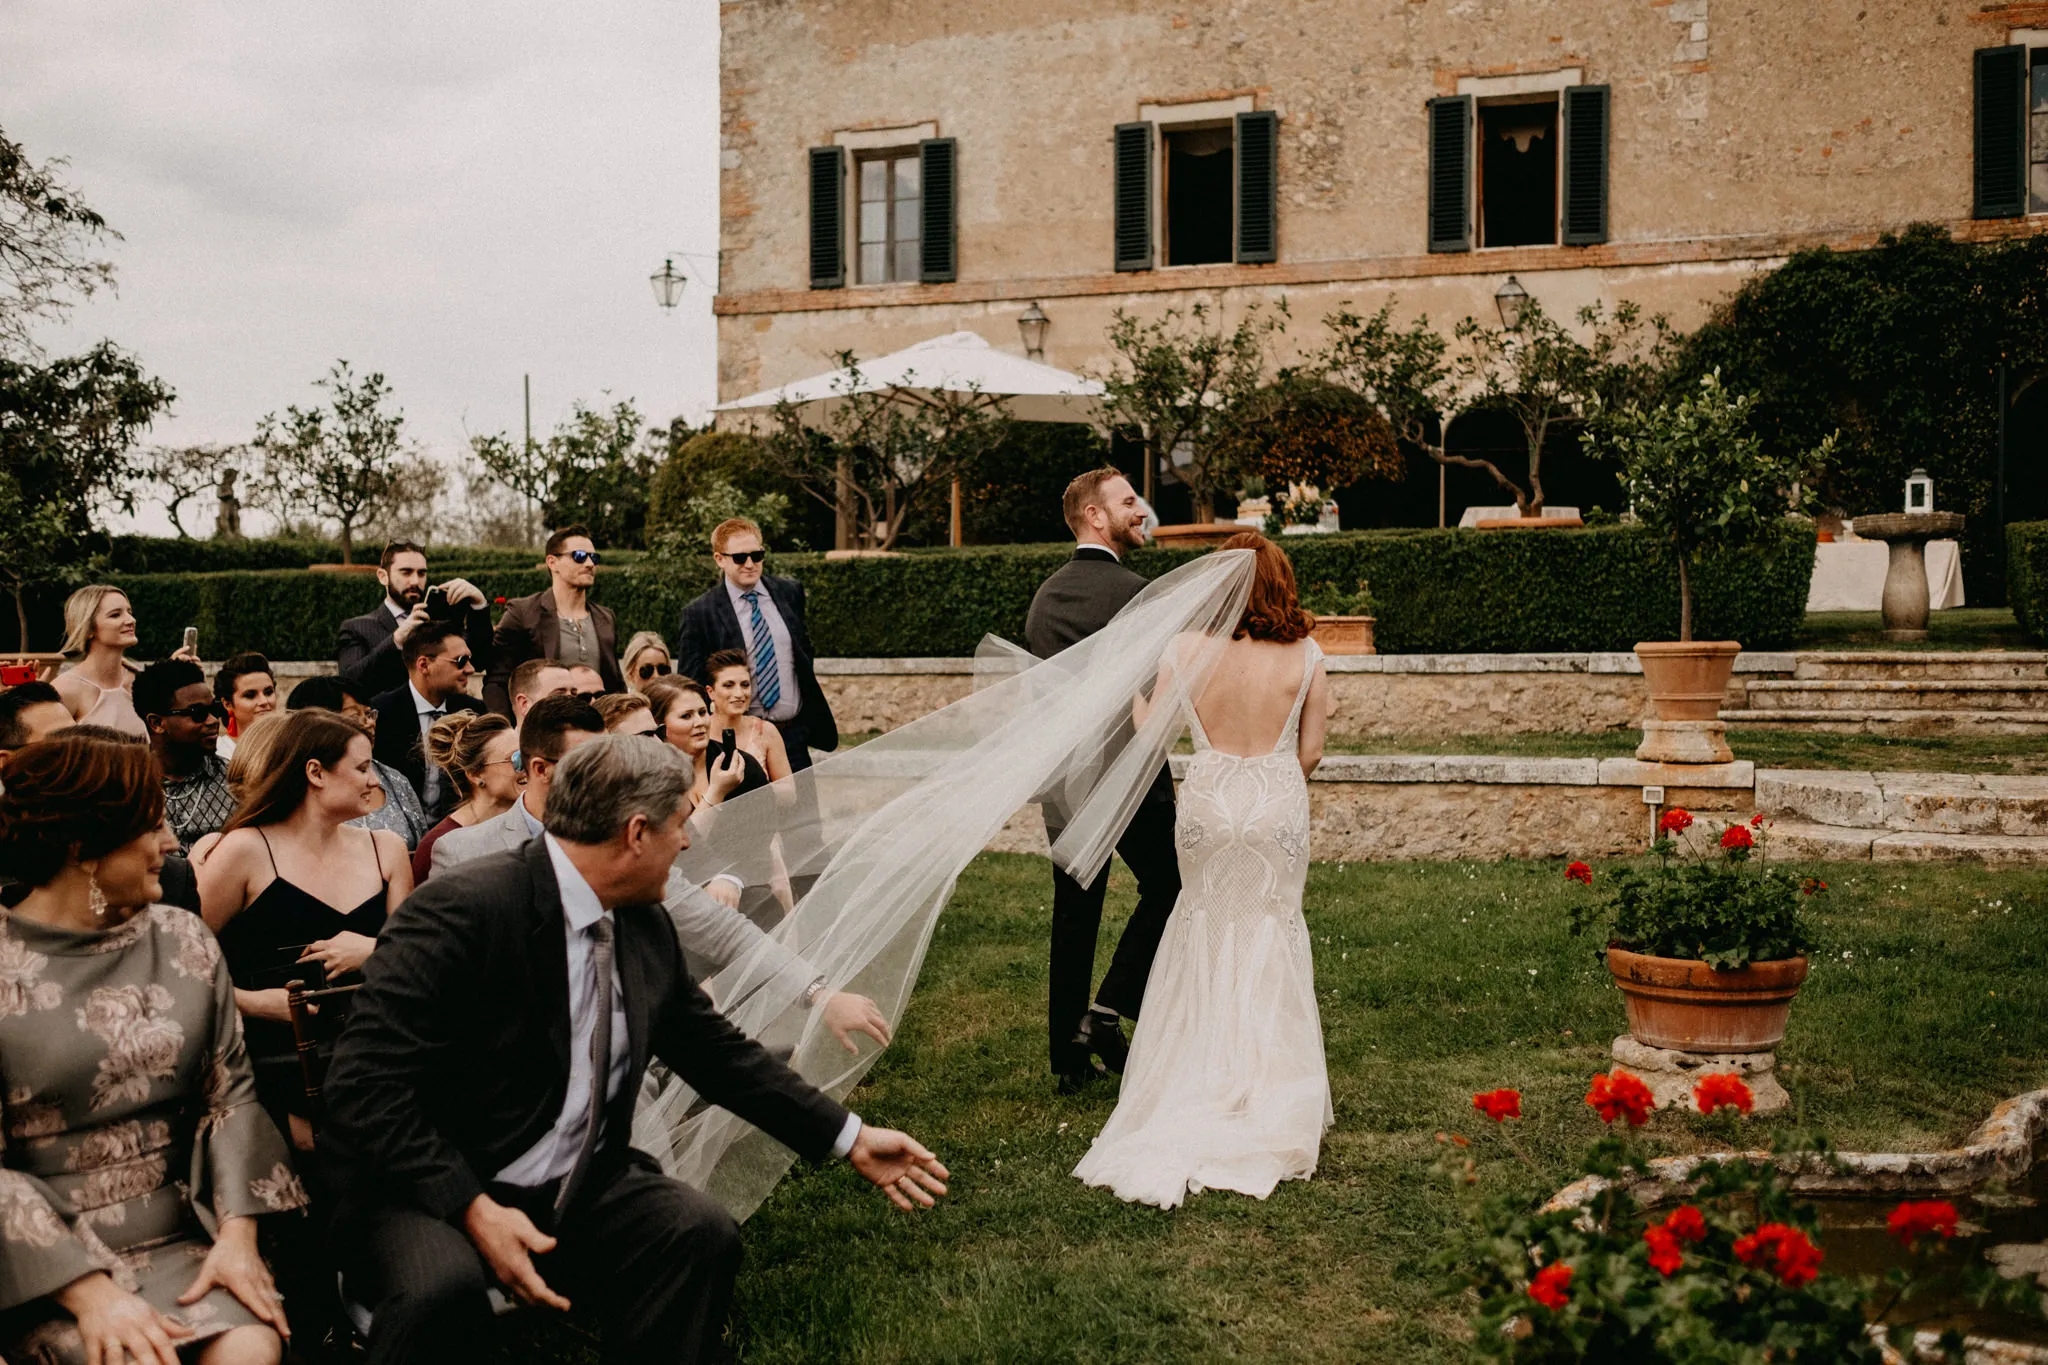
point(1905, 577)
point(1685, 741)
point(1671, 1075)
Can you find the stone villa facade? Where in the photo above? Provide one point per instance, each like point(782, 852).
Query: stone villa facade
point(894, 171)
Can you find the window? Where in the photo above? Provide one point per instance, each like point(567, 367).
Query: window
point(2037, 118)
point(891, 211)
point(1518, 172)
point(1199, 162)
point(1214, 199)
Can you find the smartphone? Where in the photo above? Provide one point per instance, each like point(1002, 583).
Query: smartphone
point(192, 638)
point(437, 605)
point(730, 742)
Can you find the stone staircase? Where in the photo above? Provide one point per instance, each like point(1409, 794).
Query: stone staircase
point(1898, 692)
point(1905, 817)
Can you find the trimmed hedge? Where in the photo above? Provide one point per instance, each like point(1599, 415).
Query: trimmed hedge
point(1434, 592)
point(168, 554)
point(2026, 575)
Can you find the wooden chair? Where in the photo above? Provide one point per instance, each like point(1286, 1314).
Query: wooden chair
point(314, 1029)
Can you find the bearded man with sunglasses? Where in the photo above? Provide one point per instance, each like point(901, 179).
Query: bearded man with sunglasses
point(438, 667)
point(560, 622)
point(177, 704)
point(754, 611)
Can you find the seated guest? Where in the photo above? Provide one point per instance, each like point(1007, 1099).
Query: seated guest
point(707, 920)
point(438, 668)
point(682, 710)
point(586, 682)
point(398, 809)
point(626, 713)
point(184, 718)
point(646, 658)
point(559, 622)
point(478, 750)
point(534, 679)
point(296, 895)
point(553, 726)
point(132, 1109)
point(369, 653)
point(28, 712)
point(472, 1136)
point(248, 689)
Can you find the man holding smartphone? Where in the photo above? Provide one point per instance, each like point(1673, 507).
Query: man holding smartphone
point(370, 653)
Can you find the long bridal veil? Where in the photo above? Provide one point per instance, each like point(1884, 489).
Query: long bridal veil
point(858, 854)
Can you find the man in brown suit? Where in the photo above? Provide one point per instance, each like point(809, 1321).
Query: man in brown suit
point(560, 622)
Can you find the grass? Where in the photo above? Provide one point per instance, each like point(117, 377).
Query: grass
point(1955, 628)
point(1435, 980)
point(2009, 754)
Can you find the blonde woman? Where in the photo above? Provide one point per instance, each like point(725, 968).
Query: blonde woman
point(99, 630)
point(646, 659)
point(476, 750)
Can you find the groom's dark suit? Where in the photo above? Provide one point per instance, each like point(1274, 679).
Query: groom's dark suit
point(1076, 601)
point(456, 1062)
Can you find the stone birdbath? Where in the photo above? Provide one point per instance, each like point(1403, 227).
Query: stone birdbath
point(1905, 576)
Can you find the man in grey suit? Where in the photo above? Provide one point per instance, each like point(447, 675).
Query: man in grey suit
point(711, 933)
point(1080, 597)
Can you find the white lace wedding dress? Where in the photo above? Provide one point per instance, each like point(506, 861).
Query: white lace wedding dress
point(1226, 1086)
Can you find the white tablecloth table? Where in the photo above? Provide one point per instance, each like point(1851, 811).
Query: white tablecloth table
point(1848, 575)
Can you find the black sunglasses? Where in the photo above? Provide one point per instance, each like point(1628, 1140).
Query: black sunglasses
point(586, 556)
point(659, 732)
point(197, 712)
point(647, 671)
point(462, 660)
point(747, 556)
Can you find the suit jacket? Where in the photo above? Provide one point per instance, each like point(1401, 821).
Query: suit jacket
point(713, 932)
point(400, 745)
point(368, 656)
point(709, 624)
point(455, 1059)
point(532, 629)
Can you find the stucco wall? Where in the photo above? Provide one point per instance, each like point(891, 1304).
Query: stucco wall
point(1740, 132)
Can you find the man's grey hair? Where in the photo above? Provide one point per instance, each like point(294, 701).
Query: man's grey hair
point(603, 783)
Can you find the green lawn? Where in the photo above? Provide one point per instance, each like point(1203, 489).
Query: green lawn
point(1956, 628)
point(2010, 754)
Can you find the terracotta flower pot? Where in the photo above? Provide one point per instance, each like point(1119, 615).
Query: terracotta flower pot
point(1686, 1005)
point(1344, 634)
point(1688, 680)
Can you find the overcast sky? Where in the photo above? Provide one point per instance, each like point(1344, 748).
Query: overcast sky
point(453, 194)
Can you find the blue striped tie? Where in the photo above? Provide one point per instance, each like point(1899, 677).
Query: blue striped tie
point(767, 686)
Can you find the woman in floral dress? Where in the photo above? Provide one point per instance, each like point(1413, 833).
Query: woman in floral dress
point(135, 1156)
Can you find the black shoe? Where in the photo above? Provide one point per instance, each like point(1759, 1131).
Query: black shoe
point(1104, 1036)
point(1074, 1082)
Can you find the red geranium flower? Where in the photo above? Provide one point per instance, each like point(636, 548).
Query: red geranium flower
point(1783, 1250)
point(1757, 821)
point(1664, 1253)
point(1737, 836)
point(498, 601)
point(1687, 1224)
point(1674, 821)
point(1913, 1220)
point(1579, 872)
point(1812, 886)
point(1499, 1104)
point(1551, 1285)
point(1726, 1088)
point(1617, 1094)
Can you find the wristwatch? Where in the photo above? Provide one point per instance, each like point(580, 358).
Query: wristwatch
point(813, 991)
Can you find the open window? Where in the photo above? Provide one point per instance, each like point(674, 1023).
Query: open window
point(1522, 167)
point(1213, 198)
point(1518, 168)
point(1196, 187)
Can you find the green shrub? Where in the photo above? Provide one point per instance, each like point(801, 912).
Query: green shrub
point(2026, 575)
point(1433, 592)
point(168, 554)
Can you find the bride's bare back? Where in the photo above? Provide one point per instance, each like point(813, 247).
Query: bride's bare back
point(1249, 694)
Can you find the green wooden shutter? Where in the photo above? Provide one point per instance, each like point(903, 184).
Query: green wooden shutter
point(1585, 122)
point(1450, 173)
point(1258, 155)
point(938, 263)
point(1134, 196)
point(828, 218)
point(2001, 140)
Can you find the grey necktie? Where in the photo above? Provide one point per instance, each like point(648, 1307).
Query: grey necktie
point(600, 1062)
point(430, 787)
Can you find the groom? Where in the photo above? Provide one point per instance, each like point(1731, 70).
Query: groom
point(1108, 520)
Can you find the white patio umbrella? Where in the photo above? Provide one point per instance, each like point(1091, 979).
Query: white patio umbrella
point(958, 363)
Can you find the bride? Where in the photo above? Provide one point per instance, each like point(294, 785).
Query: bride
point(1226, 1087)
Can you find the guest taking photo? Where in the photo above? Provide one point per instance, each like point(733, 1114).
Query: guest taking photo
point(370, 651)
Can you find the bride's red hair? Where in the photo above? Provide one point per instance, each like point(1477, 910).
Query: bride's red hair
point(1273, 612)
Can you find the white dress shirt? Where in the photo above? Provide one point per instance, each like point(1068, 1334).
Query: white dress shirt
point(788, 703)
point(554, 1156)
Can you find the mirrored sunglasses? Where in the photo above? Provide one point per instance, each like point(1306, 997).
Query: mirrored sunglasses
point(586, 556)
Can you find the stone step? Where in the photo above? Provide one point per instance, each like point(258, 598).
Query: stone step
point(1866, 694)
point(1884, 665)
point(1879, 803)
point(1790, 840)
point(1889, 722)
